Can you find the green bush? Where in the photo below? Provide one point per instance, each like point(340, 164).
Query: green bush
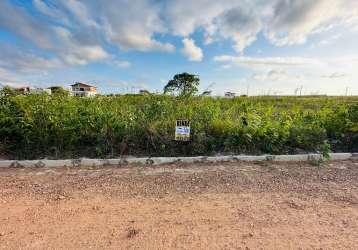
point(60, 126)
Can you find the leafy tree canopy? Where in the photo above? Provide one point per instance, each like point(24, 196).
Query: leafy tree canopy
point(183, 84)
point(59, 91)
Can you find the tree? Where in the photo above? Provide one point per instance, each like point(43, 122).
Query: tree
point(8, 91)
point(183, 84)
point(60, 91)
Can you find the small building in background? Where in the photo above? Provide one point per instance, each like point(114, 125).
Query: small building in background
point(230, 94)
point(83, 89)
point(23, 90)
point(31, 90)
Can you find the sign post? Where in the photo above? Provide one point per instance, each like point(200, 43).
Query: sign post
point(182, 130)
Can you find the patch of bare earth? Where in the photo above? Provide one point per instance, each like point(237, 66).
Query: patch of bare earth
point(200, 206)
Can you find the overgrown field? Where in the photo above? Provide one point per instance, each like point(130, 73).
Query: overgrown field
point(59, 126)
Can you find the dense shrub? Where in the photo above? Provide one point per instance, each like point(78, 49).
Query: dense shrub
point(60, 126)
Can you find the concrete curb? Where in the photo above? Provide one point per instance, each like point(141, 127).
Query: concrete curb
point(149, 161)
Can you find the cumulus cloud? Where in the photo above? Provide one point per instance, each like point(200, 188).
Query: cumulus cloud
point(79, 29)
point(85, 54)
point(284, 22)
point(135, 26)
point(51, 11)
point(191, 51)
point(86, 31)
point(16, 20)
point(80, 12)
point(75, 52)
point(293, 21)
point(185, 16)
point(43, 7)
point(240, 24)
point(17, 64)
point(229, 19)
point(65, 44)
point(21, 60)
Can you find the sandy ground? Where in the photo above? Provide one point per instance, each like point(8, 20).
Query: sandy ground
point(204, 206)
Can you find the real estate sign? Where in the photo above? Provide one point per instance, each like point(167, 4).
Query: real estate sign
point(182, 130)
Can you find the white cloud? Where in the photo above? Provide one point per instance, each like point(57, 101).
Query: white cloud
point(293, 21)
point(239, 24)
point(70, 32)
point(43, 7)
point(191, 51)
point(335, 75)
point(135, 26)
point(69, 47)
point(74, 52)
point(285, 22)
point(229, 19)
point(185, 16)
point(280, 61)
point(17, 65)
point(80, 28)
point(16, 20)
point(122, 64)
point(327, 41)
point(275, 75)
point(283, 75)
point(21, 60)
point(85, 54)
point(80, 12)
point(8, 79)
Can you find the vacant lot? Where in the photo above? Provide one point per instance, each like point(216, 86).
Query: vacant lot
point(61, 127)
point(204, 206)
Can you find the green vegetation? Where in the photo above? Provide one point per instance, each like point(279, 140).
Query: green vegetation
point(183, 85)
point(61, 126)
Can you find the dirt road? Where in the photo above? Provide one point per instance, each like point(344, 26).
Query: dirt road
point(204, 206)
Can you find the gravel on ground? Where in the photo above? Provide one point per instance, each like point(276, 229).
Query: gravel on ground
point(242, 205)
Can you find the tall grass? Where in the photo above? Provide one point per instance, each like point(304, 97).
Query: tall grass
point(59, 126)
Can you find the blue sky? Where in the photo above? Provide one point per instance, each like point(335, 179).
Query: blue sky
point(273, 46)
